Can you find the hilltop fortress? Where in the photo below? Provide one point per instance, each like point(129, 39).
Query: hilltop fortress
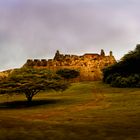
point(90, 65)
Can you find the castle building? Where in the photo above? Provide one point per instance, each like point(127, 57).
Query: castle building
point(90, 65)
point(91, 56)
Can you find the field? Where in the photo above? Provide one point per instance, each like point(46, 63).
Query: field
point(86, 111)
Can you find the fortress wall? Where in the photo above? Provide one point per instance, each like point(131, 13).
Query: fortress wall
point(89, 65)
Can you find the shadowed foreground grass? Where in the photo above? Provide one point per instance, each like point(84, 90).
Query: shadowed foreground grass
point(86, 111)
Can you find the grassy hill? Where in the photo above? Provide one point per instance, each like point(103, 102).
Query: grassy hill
point(86, 111)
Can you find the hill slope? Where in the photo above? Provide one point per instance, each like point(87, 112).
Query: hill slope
point(89, 110)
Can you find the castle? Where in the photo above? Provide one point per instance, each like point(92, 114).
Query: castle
point(90, 65)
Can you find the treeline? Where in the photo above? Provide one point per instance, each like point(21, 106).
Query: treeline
point(126, 72)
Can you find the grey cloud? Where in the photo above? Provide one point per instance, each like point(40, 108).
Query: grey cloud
point(37, 28)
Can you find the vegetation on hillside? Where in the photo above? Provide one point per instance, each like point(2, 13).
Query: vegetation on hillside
point(31, 81)
point(68, 73)
point(125, 73)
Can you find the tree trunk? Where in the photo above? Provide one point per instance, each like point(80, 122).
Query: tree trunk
point(29, 94)
point(29, 99)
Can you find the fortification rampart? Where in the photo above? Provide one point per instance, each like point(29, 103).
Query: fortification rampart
point(90, 65)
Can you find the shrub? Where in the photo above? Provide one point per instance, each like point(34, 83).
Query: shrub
point(129, 81)
point(68, 73)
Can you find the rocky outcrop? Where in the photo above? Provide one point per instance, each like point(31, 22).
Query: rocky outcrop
point(90, 65)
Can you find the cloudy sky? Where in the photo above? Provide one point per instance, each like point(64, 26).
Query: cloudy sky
point(37, 28)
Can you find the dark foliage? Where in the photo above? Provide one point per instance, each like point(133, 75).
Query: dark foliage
point(125, 73)
point(68, 73)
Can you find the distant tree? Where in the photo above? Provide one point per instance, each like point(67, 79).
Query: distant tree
point(68, 73)
point(31, 81)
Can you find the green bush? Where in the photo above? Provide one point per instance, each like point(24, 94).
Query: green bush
point(130, 81)
point(68, 73)
point(120, 82)
point(111, 78)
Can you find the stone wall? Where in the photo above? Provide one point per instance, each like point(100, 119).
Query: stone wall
point(89, 65)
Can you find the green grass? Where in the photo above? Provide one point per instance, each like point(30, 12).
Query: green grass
point(86, 111)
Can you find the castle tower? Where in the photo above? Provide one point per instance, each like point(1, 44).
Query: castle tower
point(57, 55)
point(111, 53)
point(102, 52)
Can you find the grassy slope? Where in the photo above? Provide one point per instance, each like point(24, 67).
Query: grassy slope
point(91, 111)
